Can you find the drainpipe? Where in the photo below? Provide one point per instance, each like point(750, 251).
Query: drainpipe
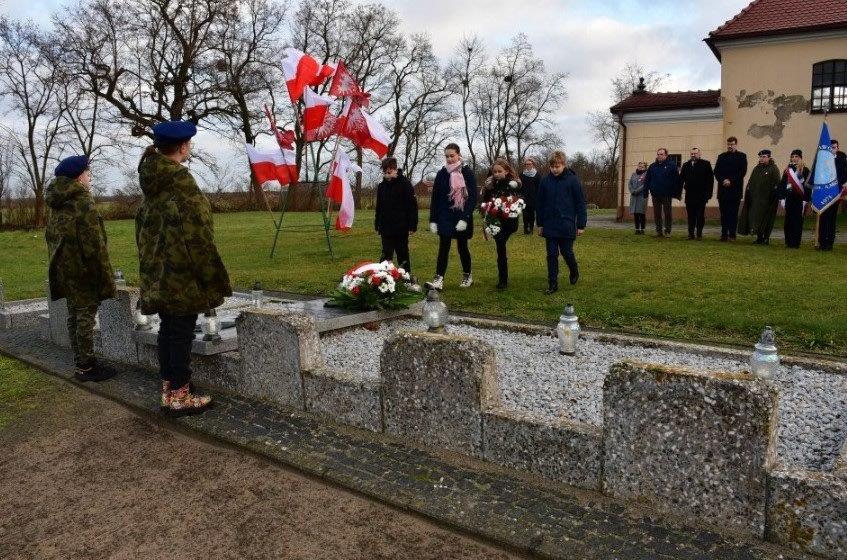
point(622, 177)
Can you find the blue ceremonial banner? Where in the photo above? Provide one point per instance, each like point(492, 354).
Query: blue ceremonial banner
point(825, 187)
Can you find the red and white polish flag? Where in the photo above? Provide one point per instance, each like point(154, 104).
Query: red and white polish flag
point(345, 85)
point(302, 71)
point(277, 165)
point(339, 189)
point(363, 129)
point(318, 122)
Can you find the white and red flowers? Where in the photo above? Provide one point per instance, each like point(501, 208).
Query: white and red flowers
point(370, 285)
point(500, 208)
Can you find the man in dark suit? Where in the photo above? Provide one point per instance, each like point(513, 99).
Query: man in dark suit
point(698, 182)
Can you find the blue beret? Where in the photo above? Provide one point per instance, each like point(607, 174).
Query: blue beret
point(71, 167)
point(174, 131)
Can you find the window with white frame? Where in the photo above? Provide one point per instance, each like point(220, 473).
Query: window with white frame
point(829, 86)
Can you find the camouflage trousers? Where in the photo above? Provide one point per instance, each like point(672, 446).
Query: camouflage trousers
point(81, 332)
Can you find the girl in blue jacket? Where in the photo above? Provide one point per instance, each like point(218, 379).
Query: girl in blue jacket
point(451, 214)
point(561, 216)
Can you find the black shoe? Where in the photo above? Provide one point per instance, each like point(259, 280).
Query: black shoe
point(699, 237)
point(93, 373)
point(667, 233)
point(501, 285)
point(724, 238)
point(691, 238)
point(551, 290)
point(573, 277)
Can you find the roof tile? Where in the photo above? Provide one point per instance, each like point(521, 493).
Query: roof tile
point(779, 17)
point(662, 101)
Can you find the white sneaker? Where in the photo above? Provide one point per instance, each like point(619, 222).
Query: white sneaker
point(437, 283)
point(415, 287)
point(467, 281)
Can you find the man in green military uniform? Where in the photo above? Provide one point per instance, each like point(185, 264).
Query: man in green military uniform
point(79, 261)
point(760, 200)
point(181, 271)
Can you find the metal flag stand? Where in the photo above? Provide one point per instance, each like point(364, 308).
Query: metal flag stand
point(284, 202)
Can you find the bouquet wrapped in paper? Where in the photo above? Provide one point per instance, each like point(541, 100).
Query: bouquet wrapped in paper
point(370, 286)
point(500, 208)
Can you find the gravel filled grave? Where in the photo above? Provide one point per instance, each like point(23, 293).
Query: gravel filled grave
point(535, 378)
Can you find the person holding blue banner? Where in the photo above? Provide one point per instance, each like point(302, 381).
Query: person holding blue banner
point(829, 217)
point(826, 189)
point(795, 191)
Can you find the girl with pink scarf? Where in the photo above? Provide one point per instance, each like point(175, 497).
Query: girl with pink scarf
point(451, 211)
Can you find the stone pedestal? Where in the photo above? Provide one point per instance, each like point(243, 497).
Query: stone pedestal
point(344, 397)
point(689, 443)
point(276, 347)
point(117, 326)
point(433, 389)
point(807, 511)
point(58, 313)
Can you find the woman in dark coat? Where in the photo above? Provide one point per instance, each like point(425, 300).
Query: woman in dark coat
point(451, 214)
point(794, 189)
point(502, 183)
point(561, 216)
point(396, 214)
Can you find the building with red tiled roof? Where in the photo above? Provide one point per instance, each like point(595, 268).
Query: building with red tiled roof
point(783, 69)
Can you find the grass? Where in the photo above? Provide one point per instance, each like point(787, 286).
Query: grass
point(698, 291)
point(21, 389)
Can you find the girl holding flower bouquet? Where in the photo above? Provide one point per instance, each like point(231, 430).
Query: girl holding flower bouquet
point(502, 204)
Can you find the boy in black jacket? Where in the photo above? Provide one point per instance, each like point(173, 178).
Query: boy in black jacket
point(396, 215)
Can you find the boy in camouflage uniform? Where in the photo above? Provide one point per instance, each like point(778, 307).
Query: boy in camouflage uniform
point(79, 261)
point(181, 272)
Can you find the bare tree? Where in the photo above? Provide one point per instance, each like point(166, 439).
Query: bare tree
point(150, 60)
point(248, 68)
point(30, 85)
point(464, 72)
point(7, 165)
point(604, 125)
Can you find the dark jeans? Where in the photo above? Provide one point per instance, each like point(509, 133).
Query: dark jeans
point(696, 218)
point(175, 335)
point(397, 244)
point(729, 218)
point(662, 209)
point(528, 219)
point(640, 221)
point(556, 245)
point(502, 259)
point(826, 231)
point(81, 333)
point(444, 242)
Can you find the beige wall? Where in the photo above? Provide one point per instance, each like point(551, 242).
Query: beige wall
point(643, 139)
point(766, 90)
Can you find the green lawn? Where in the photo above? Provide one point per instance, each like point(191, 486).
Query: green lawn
point(700, 291)
point(21, 389)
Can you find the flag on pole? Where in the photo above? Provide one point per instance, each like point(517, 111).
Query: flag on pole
point(318, 122)
point(284, 138)
point(363, 129)
point(345, 85)
point(302, 71)
point(825, 188)
point(277, 165)
point(339, 189)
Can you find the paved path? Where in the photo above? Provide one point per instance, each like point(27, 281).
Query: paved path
point(521, 512)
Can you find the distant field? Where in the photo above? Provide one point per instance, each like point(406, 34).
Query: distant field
point(702, 291)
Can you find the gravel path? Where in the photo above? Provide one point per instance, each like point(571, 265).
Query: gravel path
point(535, 378)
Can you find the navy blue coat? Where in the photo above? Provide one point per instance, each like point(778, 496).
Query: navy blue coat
point(731, 166)
point(441, 211)
point(662, 179)
point(560, 205)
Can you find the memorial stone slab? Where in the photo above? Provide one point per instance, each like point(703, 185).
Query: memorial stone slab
point(276, 346)
point(344, 398)
point(433, 389)
point(689, 443)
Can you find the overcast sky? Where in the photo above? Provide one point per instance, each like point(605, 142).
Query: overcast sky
point(590, 40)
